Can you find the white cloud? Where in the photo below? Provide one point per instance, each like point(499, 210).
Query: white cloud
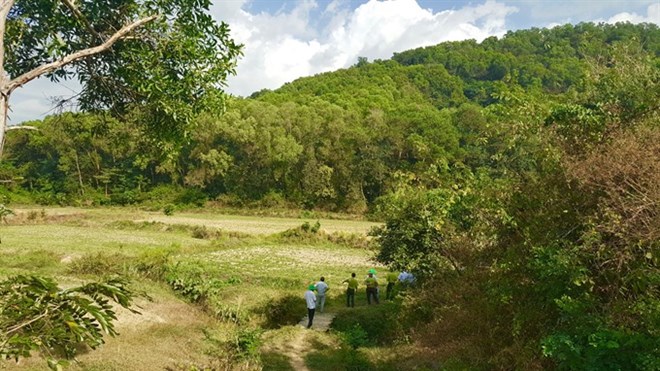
point(284, 46)
point(652, 16)
point(573, 11)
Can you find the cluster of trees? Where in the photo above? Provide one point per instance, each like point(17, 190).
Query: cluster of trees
point(548, 255)
point(338, 141)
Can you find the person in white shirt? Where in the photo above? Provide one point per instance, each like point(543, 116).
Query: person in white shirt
point(310, 298)
point(321, 289)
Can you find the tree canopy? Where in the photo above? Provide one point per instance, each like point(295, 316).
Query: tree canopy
point(168, 57)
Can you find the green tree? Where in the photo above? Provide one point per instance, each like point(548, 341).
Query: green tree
point(168, 56)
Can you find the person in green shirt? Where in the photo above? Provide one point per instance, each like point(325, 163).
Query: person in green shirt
point(372, 288)
point(392, 277)
point(350, 291)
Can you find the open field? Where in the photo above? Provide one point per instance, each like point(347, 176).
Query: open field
point(239, 223)
point(218, 283)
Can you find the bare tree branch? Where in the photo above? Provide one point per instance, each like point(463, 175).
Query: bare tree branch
point(19, 127)
point(74, 9)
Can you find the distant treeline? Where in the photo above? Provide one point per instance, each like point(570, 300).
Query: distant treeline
point(336, 141)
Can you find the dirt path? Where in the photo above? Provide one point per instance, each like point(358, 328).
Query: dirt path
point(321, 322)
point(299, 345)
point(297, 350)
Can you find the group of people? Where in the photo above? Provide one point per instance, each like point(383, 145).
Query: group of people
point(317, 300)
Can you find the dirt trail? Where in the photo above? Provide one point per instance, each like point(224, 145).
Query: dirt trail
point(299, 345)
point(296, 351)
point(322, 321)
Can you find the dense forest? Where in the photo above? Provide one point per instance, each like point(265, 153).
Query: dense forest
point(518, 177)
point(335, 141)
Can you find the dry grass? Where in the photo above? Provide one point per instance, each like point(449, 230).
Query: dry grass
point(260, 225)
point(169, 333)
point(245, 224)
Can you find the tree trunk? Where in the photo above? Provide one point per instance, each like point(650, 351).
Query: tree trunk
point(5, 6)
point(4, 111)
point(80, 179)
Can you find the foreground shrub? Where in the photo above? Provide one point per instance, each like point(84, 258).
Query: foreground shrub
point(283, 311)
point(378, 323)
point(99, 264)
point(35, 314)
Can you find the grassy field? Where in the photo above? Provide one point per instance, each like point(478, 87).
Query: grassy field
point(214, 283)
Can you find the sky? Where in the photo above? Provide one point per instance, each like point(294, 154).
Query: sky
point(288, 39)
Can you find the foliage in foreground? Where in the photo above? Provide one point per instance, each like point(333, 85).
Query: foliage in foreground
point(37, 315)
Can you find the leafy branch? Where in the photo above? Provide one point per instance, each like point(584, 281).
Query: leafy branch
point(37, 315)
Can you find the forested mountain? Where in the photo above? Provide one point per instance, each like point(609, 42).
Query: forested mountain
point(335, 141)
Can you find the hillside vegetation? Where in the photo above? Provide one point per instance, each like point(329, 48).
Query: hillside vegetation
point(336, 141)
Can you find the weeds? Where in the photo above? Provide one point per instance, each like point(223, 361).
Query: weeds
point(282, 311)
point(378, 323)
point(99, 264)
point(201, 232)
point(312, 233)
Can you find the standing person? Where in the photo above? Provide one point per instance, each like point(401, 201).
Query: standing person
point(391, 280)
point(321, 289)
point(373, 271)
point(406, 278)
point(350, 291)
point(310, 298)
point(372, 288)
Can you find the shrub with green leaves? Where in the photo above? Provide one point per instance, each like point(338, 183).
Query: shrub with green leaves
point(282, 311)
point(378, 324)
point(169, 209)
point(355, 337)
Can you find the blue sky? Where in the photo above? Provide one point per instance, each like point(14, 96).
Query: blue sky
point(285, 40)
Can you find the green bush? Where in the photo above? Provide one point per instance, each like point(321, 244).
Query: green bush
point(191, 196)
point(306, 232)
point(341, 360)
point(99, 264)
point(169, 209)
point(153, 264)
point(124, 198)
point(283, 311)
point(229, 313)
point(378, 322)
point(355, 337)
point(246, 343)
point(196, 281)
point(162, 194)
point(584, 348)
point(273, 200)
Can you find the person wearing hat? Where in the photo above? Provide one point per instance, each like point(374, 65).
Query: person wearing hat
point(310, 298)
point(372, 288)
point(373, 272)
